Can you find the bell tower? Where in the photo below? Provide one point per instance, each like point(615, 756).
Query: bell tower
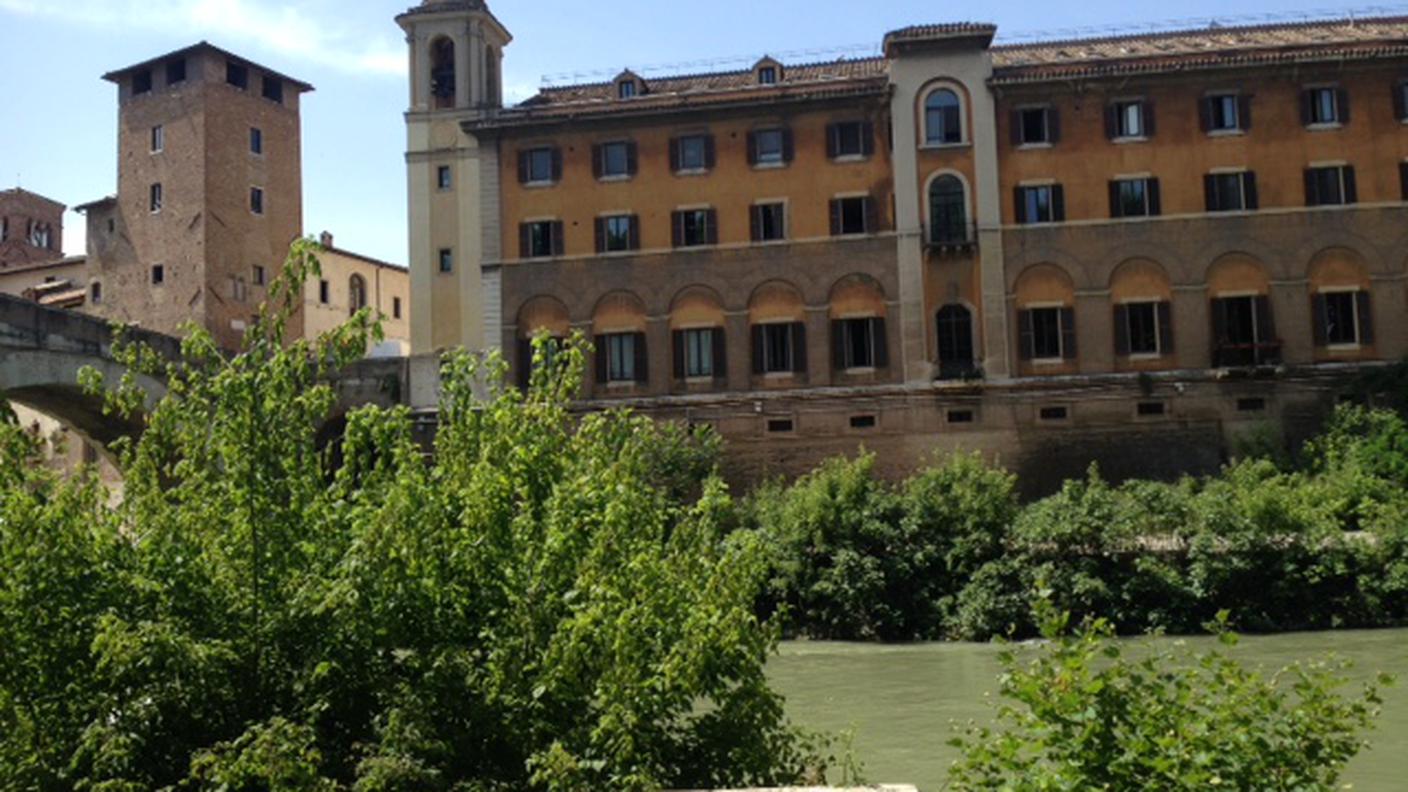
point(456, 57)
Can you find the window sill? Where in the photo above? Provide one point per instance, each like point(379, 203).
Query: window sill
point(780, 164)
point(539, 185)
point(1344, 347)
point(1324, 126)
point(779, 375)
point(1037, 146)
point(621, 385)
point(1222, 133)
point(1144, 357)
point(849, 158)
point(859, 371)
point(702, 379)
point(928, 146)
point(1048, 362)
point(620, 177)
point(1128, 139)
point(692, 172)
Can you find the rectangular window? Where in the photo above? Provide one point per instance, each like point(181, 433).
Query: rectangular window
point(1046, 334)
point(767, 75)
point(96, 289)
point(542, 239)
point(1244, 333)
point(395, 307)
point(256, 200)
point(1134, 197)
point(1142, 329)
point(616, 234)
point(779, 350)
point(158, 274)
point(1130, 120)
point(1230, 192)
point(141, 82)
point(864, 422)
point(1223, 113)
point(237, 74)
point(323, 292)
point(1055, 413)
point(695, 227)
point(850, 216)
point(447, 260)
point(539, 166)
point(692, 153)
point(1251, 405)
point(859, 343)
point(1150, 409)
point(769, 222)
point(443, 179)
point(273, 89)
point(699, 352)
point(1330, 186)
point(259, 277)
point(780, 426)
point(1342, 319)
point(614, 160)
point(960, 416)
point(1400, 101)
point(850, 139)
point(256, 140)
point(158, 139)
point(1042, 203)
point(1034, 127)
point(621, 357)
point(1324, 106)
point(625, 89)
point(768, 148)
point(155, 198)
point(176, 71)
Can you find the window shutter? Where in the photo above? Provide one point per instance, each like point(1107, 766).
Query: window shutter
point(799, 347)
point(525, 362)
point(1400, 100)
point(603, 360)
point(1053, 125)
point(1210, 192)
point(882, 342)
point(759, 349)
point(1068, 333)
point(1342, 105)
point(1019, 205)
point(1244, 112)
point(525, 241)
point(1121, 330)
point(1112, 121)
point(522, 167)
point(1312, 194)
point(838, 345)
point(1166, 328)
point(1265, 323)
point(677, 228)
point(1115, 205)
point(557, 240)
point(677, 342)
point(600, 234)
point(867, 138)
point(1403, 178)
point(1320, 320)
point(634, 233)
point(1146, 112)
point(1058, 203)
point(835, 217)
point(1351, 189)
point(833, 141)
point(1156, 206)
point(557, 164)
point(1249, 190)
point(1219, 327)
point(1307, 107)
point(709, 153)
point(597, 168)
point(674, 155)
point(642, 360)
point(752, 148)
point(632, 158)
point(755, 223)
point(788, 146)
point(1026, 336)
point(711, 231)
point(1366, 317)
point(1205, 106)
point(720, 354)
point(872, 215)
point(1017, 139)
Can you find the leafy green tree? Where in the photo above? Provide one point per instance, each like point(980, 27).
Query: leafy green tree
point(535, 607)
point(1092, 713)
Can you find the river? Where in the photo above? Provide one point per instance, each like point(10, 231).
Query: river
point(902, 700)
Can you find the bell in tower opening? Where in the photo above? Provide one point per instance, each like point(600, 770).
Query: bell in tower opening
point(442, 72)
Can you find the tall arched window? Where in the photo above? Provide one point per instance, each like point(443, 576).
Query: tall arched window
point(356, 294)
point(948, 211)
point(491, 77)
point(442, 72)
point(943, 118)
point(955, 324)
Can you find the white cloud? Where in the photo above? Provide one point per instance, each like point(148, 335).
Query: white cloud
point(314, 31)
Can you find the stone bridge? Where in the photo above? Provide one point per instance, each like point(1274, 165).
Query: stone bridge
point(42, 350)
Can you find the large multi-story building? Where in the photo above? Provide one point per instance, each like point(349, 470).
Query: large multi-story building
point(1128, 249)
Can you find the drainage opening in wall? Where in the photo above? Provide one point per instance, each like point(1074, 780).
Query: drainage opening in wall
point(1251, 405)
point(864, 422)
point(1151, 409)
point(780, 425)
point(1055, 413)
point(962, 417)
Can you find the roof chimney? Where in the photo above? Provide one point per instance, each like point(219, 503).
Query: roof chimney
point(325, 239)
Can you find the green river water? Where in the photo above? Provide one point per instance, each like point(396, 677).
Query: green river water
point(901, 700)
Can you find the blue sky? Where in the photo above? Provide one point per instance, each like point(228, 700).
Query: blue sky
point(58, 135)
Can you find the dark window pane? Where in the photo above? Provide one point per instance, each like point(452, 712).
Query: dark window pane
point(1046, 333)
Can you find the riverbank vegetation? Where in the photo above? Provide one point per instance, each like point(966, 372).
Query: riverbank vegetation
point(1319, 543)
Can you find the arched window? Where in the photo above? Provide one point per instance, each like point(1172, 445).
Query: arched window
point(491, 76)
point(955, 323)
point(442, 72)
point(948, 211)
point(356, 294)
point(943, 118)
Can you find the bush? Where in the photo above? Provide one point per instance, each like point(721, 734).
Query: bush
point(1089, 712)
